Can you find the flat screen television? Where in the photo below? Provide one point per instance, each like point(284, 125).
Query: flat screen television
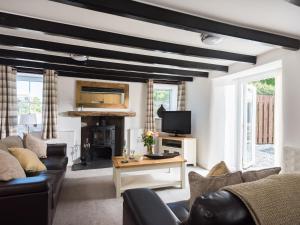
point(176, 122)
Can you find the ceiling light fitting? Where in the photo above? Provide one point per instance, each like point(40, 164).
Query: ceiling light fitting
point(80, 58)
point(211, 39)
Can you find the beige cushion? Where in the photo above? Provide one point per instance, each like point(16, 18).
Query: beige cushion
point(10, 167)
point(200, 185)
point(259, 174)
point(28, 159)
point(3, 147)
point(38, 146)
point(218, 170)
point(11, 142)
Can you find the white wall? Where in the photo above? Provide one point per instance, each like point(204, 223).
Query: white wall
point(66, 102)
point(198, 101)
point(290, 92)
point(197, 98)
point(289, 123)
point(221, 124)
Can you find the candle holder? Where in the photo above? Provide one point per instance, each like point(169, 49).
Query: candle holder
point(86, 149)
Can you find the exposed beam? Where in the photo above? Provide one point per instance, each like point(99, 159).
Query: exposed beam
point(97, 64)
point(21, 69)
point(104, 77)
point(88, 34)
point(85, 75)
point(166, 17)
point(103, 53)
point(92, 76)
point(76, 69)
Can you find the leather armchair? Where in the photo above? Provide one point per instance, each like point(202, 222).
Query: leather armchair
point(144, 207)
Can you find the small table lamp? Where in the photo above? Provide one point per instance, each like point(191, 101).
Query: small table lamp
point(27, 120)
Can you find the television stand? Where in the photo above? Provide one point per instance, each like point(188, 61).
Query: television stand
point(185, 146)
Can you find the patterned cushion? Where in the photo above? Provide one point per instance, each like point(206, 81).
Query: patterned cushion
point(200, 185)
point(28, 159)
point(10, 168)
point(218, 170)
point(250, 176)
point(38, 146)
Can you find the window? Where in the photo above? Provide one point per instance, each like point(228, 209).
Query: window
point(166, 95)
point(30, 97)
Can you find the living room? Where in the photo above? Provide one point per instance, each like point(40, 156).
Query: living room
point(149, 112)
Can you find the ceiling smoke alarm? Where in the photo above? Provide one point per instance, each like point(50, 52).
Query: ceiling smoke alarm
point(80, 58)
point(211, 39)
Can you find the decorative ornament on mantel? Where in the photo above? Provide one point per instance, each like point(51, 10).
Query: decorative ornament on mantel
point(160, 111)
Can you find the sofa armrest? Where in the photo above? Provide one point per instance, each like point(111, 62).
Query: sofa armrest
point(57, 149)
point(25, 201)
point(27, 185)
point(144, 207)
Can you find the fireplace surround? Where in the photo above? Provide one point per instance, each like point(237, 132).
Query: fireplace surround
point(105, 135)
point(104, 131)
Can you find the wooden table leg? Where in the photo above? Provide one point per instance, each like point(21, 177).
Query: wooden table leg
point(114, 175)
point(182, 175)
point(117, 175)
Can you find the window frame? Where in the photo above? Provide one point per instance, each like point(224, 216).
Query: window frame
point(173, 96)
point(28, 77)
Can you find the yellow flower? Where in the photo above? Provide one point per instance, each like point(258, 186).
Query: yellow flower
point(149, 133)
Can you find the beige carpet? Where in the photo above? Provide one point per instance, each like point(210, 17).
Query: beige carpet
point(88, 198)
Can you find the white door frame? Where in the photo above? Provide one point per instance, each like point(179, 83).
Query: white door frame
point(277, 111)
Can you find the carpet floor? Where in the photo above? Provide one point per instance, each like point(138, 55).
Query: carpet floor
point(88, 198)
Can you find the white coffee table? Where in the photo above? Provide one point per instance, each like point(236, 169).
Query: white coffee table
point(147, 180)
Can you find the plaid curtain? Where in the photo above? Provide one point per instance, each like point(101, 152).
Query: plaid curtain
point(49, 105)
point(8, 102)
point(149, 112)
point(181, 97)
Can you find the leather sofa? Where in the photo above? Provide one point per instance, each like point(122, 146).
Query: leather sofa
point(33, 200)
point(144, 207)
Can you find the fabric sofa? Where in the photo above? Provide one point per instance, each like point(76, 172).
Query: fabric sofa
point(33, 200)
point(144, 207)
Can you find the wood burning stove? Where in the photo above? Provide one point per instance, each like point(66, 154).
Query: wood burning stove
point(103, 140)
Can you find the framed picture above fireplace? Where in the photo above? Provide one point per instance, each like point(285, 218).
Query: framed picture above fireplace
point(101, 95)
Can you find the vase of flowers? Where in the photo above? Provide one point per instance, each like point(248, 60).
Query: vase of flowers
point(149, 141)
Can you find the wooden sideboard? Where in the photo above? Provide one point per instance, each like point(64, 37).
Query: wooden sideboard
point(186, 146)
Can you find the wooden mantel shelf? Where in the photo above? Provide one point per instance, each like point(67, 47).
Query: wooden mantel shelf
point(99, 113)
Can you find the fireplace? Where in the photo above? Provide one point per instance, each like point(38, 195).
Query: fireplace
point(103, 141)
point(104, 131)
point(105, 136)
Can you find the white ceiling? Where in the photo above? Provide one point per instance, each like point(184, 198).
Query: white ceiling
point(268, 15)
point(278, 16)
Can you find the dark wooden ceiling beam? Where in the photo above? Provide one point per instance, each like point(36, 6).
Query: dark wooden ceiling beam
point(88, 34)
point(104, 77)
point(103, 53)
point(76, 69)
point(21, 69)
point(166, 17)
point(97, 64)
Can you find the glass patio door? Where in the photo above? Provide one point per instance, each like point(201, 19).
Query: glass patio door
point(248, 125)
